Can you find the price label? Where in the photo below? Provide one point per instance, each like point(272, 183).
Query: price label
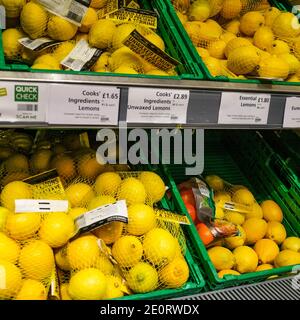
point(23, 102)
point(26, 205)
point(102, 215)
point(83, 105)
point(244, 108)
point(292, 113)
point(157, 105)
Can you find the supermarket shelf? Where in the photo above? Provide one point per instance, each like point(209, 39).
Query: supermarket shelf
point(205, 96)
point(277, 289)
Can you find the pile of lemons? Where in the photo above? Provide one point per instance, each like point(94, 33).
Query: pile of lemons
point(262, 243)
point(238, 39)
point(101, 33)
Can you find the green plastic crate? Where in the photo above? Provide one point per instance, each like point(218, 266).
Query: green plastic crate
point(219, 161)
point(188, 69)
point(287, 144)
point(266, 164)
point(196, 282)
point(166, 6)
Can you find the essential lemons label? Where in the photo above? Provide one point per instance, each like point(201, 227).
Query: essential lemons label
point(292, 113)
point(37, 44)
point(141, 17)
point(244, 108)
point(151, 53)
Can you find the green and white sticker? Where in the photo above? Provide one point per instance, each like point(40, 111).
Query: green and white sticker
point(23, 102)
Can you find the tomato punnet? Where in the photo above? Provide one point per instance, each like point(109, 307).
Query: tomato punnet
point(191, 210)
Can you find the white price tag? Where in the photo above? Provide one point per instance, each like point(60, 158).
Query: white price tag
point(102, 215)
point(292, 113)
point(27, 205)
point(82, 57)
point(244, 108)
point(37, 44)
point(23, 102)
point(83, 105)
point(157, 105)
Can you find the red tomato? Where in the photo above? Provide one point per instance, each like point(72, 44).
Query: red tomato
point(204, 233)
point(191, 210)
point(188, 197)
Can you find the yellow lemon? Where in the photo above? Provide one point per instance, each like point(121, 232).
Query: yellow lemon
point(222, 273)
point(132, 190)
point(263, 38)
point(57, 229)
point(11, 46)
point(231, 9)
point(222, 258)
point(291, 243)
point(62, 50)
point(293, 62)
point(107, 183)
point(60, 29)
point(175, 274)
point(104, 264)
point(87, 284)
point(10, 280)
point(142, 278)
point(101, 34)
point(9, 249)
point(286, 25)
point(109, 232)
point(243, 196)
point(219, 213)
point(255, 229)
point(114, 288)
point(217, 49)
point(36, 260)
point(79, 194)
point(64, 292)
point(234, 217)
point(127, 251)
point(276, 231)
point(39, 157)
point(83, 252)
point(279, 47)
point(251, 22)
point(270, 15)
point(199, 10)
point(154, 185)
point(159, 246)
point(256, 212)
point(287, 258)
point(235, 43)
point(88, 20)
point(271, 211)
point(22, 226)
point(141, 219)
point(156, 40)
point(264, 267)
point(266, 250)
point(13, 191)
point(215, 182)
point(246, 259)
point(61, 259)
point(233, 27)
point(236, 241)
point(3, 216)
point(32, 290)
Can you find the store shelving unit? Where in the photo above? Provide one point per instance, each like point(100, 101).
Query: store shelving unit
point(204, 103)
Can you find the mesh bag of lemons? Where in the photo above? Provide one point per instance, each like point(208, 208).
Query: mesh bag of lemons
point(262, 243)
point(103, 34)
point(113, 260)
point(243, 38)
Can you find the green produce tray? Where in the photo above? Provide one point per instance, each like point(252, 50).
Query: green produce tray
point(187, 69)
point(266, 164)
point(219, 161)
point(287, 144)
point(196, 282)
point(167, 7)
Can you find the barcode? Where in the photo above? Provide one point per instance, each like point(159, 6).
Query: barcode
point(69, 61)
point(26, 42)
point(74, 16)
point(174, 117)
point(104, 118)
point(27, 107)
point(257, 119)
